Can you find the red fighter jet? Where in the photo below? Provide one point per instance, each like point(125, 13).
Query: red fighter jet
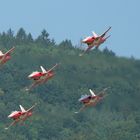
point(91, 100)
point(5, 57)
point(20, 116)
point(95, 40)
point(41, 77)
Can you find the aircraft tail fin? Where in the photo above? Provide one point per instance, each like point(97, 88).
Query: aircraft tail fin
point(94, 34)
point(1, 53)
point(22, 108)
point(43, 70)
point(92, 93)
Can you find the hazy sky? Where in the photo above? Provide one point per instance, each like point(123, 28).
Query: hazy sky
point(74, 19)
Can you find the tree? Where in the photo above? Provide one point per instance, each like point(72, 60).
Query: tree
point(44, 38)
point(30, 38)
point(21, 35)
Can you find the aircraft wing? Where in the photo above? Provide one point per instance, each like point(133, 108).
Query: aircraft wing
point(52, 67)
point(30, 109)
point(85, 51)
point(33, 85)
point(81, 109)
point(102, 35)
point(103, 91)
point(8, 52)
point(13, 123)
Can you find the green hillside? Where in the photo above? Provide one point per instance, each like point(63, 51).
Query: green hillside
point(117, 117)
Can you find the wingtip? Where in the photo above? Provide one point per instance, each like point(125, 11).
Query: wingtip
point(107, 88)
point(57, 64)
point(27, 89)
point(76, 112)
point(12, 48)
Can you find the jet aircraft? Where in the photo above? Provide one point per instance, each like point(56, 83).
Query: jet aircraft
point(4, 57)
point(41, 77)
point(20, 116)
point(95, 40)
point(91, 100)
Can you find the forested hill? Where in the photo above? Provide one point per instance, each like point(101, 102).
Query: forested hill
point(117, 117)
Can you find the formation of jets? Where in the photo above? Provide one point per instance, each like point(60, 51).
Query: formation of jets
point(43, 76)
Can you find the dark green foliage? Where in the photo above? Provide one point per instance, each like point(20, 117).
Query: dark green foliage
point(44, 40)
point(115, 118)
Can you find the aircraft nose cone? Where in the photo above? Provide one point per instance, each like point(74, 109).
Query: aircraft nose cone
point(9, 116)
point(29, 76)
point(83, 41)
